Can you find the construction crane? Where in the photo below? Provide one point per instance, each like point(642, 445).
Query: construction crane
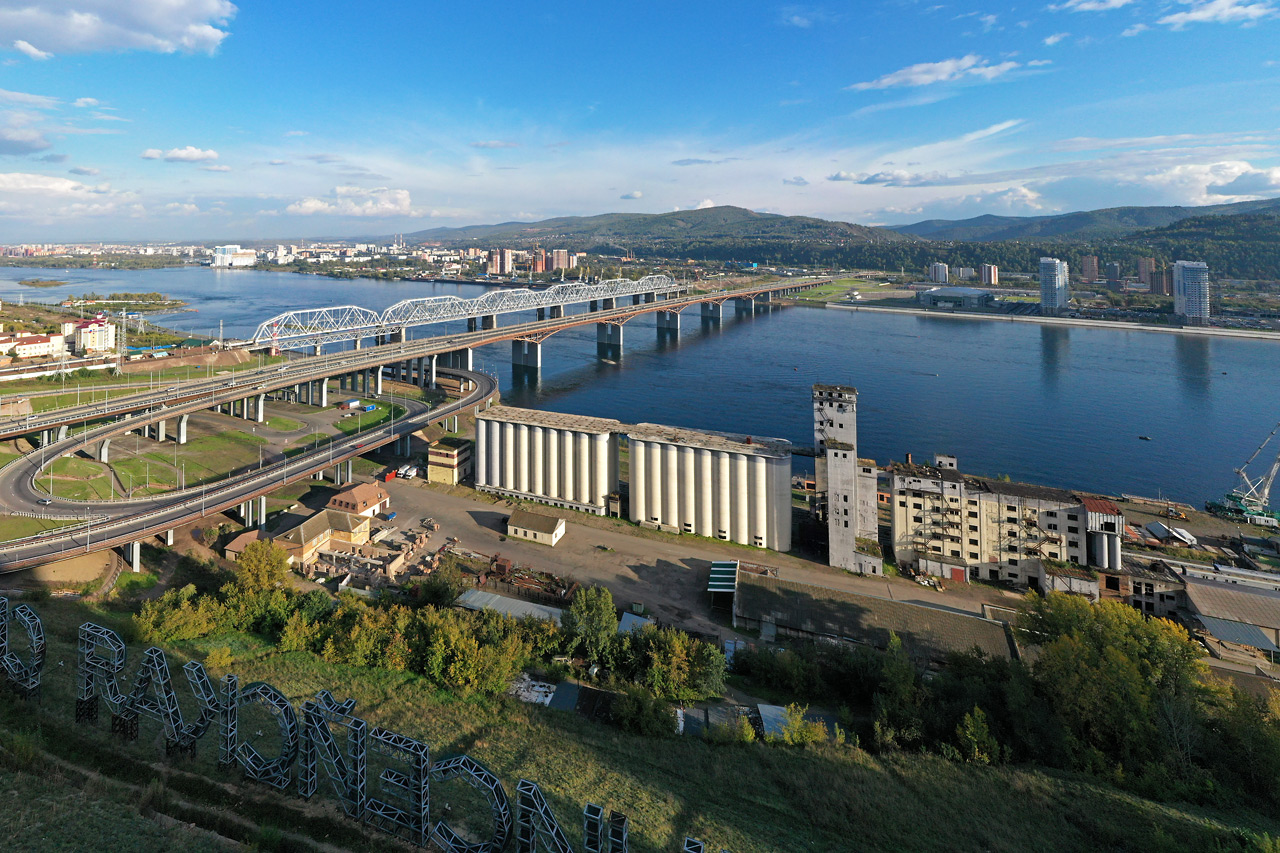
point(1251, 500)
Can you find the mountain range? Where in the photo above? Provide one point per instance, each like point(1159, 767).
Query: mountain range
point(1104, 224)
point(623, 229)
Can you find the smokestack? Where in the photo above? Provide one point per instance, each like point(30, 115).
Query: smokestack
point(908, 458)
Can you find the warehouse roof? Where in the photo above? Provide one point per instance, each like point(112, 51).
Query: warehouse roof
point(1029, 491)
point(733, 442)
point(1234, 603)
point(478, 599)
point(553, 420)
point(926, 632)
point(1101, 506)
point(958, 291)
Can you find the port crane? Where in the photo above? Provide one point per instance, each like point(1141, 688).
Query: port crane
point(1251, 499)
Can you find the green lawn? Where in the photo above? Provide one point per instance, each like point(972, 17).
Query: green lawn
point(211, 457)
point(71, 466)
point(58, 401)
point(136, 472)
point(283, 424)
point(18, 527)
point(131, 584)
point(366, 420)
point(302, 445)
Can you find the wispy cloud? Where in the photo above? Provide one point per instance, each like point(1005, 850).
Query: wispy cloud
point(85, 102)
point(31, 51)
point(967, 67)
point(1050, 41)
point(83, 170)
point(631, 196)
point(87, 26)
point(1130, 32)
point(1090, 5)
point(1219, 12)
point(494, 143)
point(691, 161)
point(22, 98)
point(355, 201)
point(797, 181)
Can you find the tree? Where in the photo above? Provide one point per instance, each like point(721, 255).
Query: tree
point(262, 565)
point(592, 621)
point(976, 743)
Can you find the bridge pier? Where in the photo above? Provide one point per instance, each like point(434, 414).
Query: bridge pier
point(635, 299)
point(712, 311)
point(168, 538)
point(650, 297)
point(608, 340)
point(134, 556)
point(261, 500)
point(324, 393)
point(744, 305)
point(160, 430)
point(557, 312)
point(593, 306)
point(526, 354)
point(377, 381)
point(542, 313)
point(669, 321)
point(62, 432)
point(260, 408)
point(431, 383)
point(608, 303)
point(181, 438)
point(471, 324)
point(489, 321)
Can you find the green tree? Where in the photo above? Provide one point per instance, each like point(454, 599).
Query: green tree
point(262, 565)
point(797, 731)
point(976, 743)
point(592, 621)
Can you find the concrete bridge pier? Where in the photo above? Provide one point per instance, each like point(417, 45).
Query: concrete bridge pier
point(669, 321)
point(650, 297)
point(315, 350)
point(472, 324)
point(160, 430)
point(356, 344)
point(181, 437)
point(489, 321)
point(713, 311)
point(133, 553)
point(608, 340)
point(62, 432)
point(103, 450)
point(261, 511)
point(377, 381)
point(608, 303)
point(260, 408)
point(526, 354)
point(168, 538)
point(342, 382)
point(324, 393)
point(542, 313)
point(635, 299)
point(744, 305)
point(557, 312)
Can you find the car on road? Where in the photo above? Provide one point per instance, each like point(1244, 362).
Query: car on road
point(45, 501)
point(360, 445)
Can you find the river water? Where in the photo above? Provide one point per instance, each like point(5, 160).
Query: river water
point(1061, 406)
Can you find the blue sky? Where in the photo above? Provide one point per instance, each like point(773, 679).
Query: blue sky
point(185, 119)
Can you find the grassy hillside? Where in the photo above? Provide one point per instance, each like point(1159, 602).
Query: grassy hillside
point(746, 799)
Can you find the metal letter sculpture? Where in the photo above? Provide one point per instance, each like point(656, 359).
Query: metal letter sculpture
point(537, 828)
point(95, 670)
point(479, 777)
point(276, 772)
point(407, 810)
point(25, 676)
point(346, 774)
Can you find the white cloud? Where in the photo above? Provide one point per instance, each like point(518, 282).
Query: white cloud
point(1259, 182)
point(1134, 30)
point(797, 181)
point(295, 133)
point(87, 26)
point(22, 140)
point(845, 176)
point(216, 168)
point(1218, 12)
point(1090, 5)
point(704, 204)
point(189, 154)
point(494, 143)
point(631, 196)
point(277, 162)
point(927, 73)
point(83, 170)
point(1039, 63)
point(85, 102)
point(33, 52)
point(177, 208)
point(356, 201)
point(1050, 41)
point(43, 102)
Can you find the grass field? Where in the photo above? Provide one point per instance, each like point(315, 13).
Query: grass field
point(366, 420)
point(16, 527)
point(78, 479)
point(748, 799)
point(282, 424)
point(130, 584)
point(211, 457)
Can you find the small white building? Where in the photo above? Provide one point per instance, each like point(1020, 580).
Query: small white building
point(233, 256)
point(543, 529)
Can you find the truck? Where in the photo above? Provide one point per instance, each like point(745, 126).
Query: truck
point(369, 408)
point(349, 404)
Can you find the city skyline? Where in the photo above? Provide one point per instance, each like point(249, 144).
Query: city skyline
point(201, 119)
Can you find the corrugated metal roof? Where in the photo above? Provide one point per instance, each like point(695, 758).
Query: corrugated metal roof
point(631, 622)
point(1234, 602)
point(724, 576)
point(476, 599)
point(1101, 506)
point(1238, 632)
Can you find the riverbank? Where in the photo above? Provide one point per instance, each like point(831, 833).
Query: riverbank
point(1119, 325)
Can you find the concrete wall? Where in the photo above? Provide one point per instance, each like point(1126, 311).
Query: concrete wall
point(562, 467)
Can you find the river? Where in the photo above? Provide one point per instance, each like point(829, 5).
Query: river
point(1042, 404)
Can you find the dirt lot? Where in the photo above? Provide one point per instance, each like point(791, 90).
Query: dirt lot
point(666, 572)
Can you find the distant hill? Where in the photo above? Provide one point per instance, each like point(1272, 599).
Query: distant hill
point(1239, 246)
point(684, 226)
point(1108, 223)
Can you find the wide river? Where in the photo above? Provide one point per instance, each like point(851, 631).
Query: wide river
point(1043, 404)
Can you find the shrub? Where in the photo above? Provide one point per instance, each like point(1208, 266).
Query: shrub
point(636, 710)
point(739, 732)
